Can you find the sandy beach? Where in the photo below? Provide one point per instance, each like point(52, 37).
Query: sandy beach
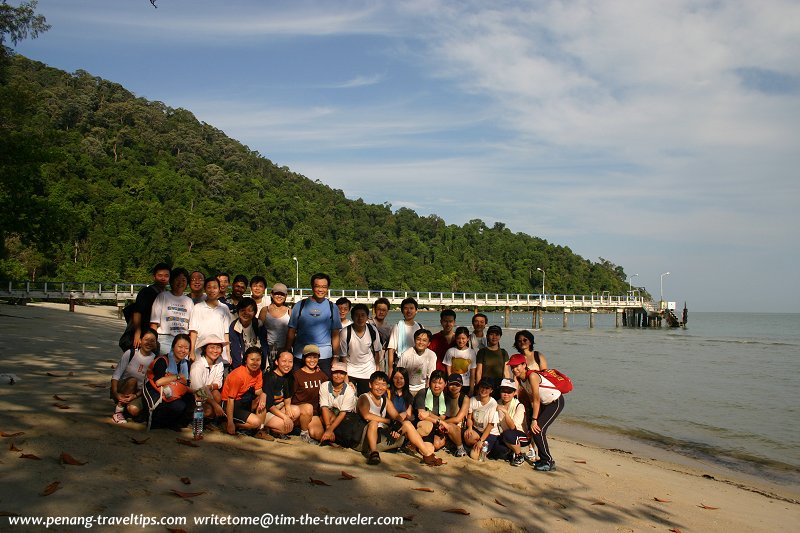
point(58, 404)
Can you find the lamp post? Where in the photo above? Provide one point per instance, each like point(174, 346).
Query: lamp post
point(296, 272)
point(630, 287)
point(543, 278)
point(662, 284)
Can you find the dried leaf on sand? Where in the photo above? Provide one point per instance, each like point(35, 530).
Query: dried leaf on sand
point(67, 459)
point(51, 488)
point(186, 494)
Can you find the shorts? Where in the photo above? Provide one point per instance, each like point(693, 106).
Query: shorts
point(270, 415)
point(242, 409)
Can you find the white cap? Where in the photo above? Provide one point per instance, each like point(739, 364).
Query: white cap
point(508, 384)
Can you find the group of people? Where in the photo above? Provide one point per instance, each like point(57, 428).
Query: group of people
point(330, 375)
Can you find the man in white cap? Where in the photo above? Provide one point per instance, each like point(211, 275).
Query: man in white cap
point(337, 397)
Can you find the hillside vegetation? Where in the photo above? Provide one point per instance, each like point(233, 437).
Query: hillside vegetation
point(98, 185)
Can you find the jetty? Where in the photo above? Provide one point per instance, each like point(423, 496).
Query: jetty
point(631, 310)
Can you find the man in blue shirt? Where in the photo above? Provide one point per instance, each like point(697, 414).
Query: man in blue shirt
point(315, 321)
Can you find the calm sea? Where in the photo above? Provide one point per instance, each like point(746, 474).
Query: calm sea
point(725, 389)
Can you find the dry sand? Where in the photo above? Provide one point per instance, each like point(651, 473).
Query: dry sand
point(71, 355)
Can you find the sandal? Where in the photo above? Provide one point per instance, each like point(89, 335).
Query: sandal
point(374, 458)
point(263, 435)
point(432, 460)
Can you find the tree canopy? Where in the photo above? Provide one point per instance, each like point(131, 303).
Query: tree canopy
point(99, 185)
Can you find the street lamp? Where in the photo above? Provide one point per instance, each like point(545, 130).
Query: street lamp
point(662, 284)
point(296, 272)
point(543, 277)
point(630, 288)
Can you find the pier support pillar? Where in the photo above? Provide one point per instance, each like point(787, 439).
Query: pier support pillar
point(566, 318)
point(618, 315)
point(534, 319)
point(592, 313)
point(507, 321)
point(541, 317)
point(72, 305)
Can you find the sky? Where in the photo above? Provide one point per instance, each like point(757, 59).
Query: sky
point(662, 136)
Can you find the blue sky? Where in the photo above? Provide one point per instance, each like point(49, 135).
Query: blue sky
point(663, 136)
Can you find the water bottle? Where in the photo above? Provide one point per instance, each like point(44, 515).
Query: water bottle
point(197, 421)
point(484, 452)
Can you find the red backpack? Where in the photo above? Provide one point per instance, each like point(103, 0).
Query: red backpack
point(560, 381)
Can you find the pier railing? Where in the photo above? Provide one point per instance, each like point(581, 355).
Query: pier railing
point(122, 292)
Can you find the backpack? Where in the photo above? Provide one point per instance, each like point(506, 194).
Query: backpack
point(372, 334)
point(169, 393)
point(303, 303)
point(560, 381)
point(126, 340)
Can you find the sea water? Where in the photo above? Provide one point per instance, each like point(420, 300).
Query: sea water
point(724, 389)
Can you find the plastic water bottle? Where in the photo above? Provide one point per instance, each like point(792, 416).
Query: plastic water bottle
point(484, 451)
point(197, 421)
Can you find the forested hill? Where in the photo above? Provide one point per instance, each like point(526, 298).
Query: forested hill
point(98, 185)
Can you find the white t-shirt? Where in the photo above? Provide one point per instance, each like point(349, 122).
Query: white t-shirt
point(136, 368)
point(202, 375)
point(172, 313)
point(401, 340)
point(476, 343)
point(517, 413)
point(460, 362)
point(345, 401)
point(359, 353)
point(206, 321)
point(482, 415)
point(419, 367)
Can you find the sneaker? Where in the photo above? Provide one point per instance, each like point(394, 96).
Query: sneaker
point(119, 418)
point(545, 466)
point(305, 437)
point(530, 456)
point(517, 459)
point(460, 452)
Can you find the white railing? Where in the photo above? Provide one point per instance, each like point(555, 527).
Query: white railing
point(120, 292)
